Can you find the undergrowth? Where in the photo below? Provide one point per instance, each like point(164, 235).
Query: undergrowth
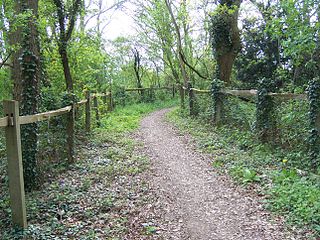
point(288, 191)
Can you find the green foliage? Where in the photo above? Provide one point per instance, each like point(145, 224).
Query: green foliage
point(296, 197)
point(265, 123)
point(221, 27)
point(244, 175)
point(314, 109)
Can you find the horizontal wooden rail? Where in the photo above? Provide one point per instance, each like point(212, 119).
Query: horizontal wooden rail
point(43, 116)
point(253, 93)
point(200, 91)
point(4, 122)
point(241, 93)
point(82, 102)
point(289, 96)
point(141, 89)
point(100, 95)
point(135, 89)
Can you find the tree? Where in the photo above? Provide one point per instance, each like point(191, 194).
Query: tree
point(260, 56)
point(67, 20)
point(225, 37)
point(137, 66)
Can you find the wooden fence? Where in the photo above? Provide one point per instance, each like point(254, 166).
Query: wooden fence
point(243, 94)
point(12, 122)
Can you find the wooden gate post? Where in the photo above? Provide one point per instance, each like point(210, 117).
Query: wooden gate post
point(88, 111)
point(15, 167)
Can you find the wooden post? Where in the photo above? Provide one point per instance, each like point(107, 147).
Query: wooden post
point(182, 96)
point(191, 100)
point(110, 105)
point(173, 91)
point(95, 105)
point(70, 135)
point(104, 100)
point(218, 110)
point(15, 168)
point(88, 111)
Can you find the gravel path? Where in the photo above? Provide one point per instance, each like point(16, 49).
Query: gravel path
point(197, 203)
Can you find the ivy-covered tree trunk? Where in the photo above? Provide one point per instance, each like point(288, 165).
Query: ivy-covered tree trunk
point(30, 69)
point(226, 37)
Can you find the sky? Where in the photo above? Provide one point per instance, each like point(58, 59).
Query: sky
point(122, 24)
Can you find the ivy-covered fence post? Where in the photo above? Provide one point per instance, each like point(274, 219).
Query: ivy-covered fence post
point(110, 102)
point(217, 98)
point(181, 96)
point(15, 167)
point(314, 116)
point(88, 111)
point(191, 100)
point(265, 122)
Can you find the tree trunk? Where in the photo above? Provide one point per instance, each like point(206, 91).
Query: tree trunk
point(31, 74)
point(15, 39)
point(66, 69)
point(226, 36)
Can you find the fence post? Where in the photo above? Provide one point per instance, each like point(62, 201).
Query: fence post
point(182, 96)
point(191, 100)
point(110, 102)
point(173, 91)
point(218, 110)
point(15, 167)
point(70, 134)
point(88, 111)
point(95, 105)
point(217, 97)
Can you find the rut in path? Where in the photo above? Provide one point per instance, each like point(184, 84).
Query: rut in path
point(198, 204)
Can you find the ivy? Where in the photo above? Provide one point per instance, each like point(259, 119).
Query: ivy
point(314, 108)
point(29, 105)
point(265, 121)
point(221, 29)
point(217, 99)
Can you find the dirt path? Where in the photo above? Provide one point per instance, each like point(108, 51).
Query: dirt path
point(197, 203)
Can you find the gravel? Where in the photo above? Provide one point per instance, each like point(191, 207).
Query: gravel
point(197, 203)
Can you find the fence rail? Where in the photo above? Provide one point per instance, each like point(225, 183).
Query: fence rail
point(253, 93)
point(4, 122)
point(242, 94)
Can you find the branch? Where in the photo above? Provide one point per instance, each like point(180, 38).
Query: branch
point(115, 6)
point(74, 12)
point(4, 63)
point(192, 68)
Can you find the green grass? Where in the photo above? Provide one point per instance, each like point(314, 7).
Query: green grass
point(127, 119)
point(291, 193)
